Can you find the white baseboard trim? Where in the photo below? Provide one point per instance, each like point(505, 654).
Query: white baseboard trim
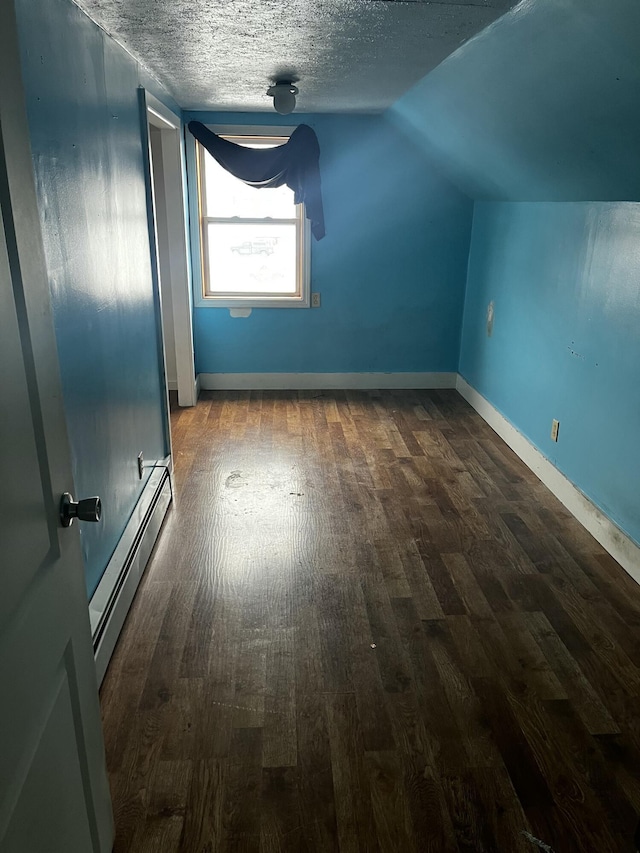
point(196, 388)
point(621, 547)
point(323, 381)
point(112, 599)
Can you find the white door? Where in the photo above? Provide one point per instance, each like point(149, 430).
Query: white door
point(54, 795)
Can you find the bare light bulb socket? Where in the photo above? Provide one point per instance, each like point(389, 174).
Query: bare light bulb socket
point(284, 96)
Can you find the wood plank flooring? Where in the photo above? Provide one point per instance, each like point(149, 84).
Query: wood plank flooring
point(368, 627)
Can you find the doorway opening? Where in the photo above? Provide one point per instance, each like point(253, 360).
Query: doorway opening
point(171, 247)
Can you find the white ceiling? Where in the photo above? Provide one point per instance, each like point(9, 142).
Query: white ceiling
point(346, 55)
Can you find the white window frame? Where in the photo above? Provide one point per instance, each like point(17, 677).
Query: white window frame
point(302, 298)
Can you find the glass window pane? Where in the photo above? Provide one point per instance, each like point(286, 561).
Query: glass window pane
point(252, 258)
point(228, 196)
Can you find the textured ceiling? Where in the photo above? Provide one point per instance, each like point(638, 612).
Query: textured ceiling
point(346, 55)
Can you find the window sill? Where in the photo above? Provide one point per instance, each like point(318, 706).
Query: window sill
point(254, 302)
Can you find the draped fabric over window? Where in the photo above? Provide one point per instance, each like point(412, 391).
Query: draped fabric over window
point(296, 164)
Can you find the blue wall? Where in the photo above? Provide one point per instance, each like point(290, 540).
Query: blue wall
point(391, 270)
point(565, 281)
point(83, 112)
point(540, 106)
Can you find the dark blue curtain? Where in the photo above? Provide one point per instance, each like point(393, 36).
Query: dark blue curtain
point(296, 164)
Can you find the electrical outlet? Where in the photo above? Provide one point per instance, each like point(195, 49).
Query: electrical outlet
point(315, 300)
point(555, 429)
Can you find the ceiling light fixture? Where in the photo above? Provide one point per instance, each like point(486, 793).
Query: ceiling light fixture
point(284, 96)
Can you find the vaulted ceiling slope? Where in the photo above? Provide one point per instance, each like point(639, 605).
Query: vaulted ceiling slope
point(345, 55)
point(541, 106)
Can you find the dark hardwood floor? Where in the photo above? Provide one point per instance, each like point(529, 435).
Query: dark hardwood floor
point(368, 627)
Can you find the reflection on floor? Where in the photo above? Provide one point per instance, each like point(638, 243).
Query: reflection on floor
point(367, 626)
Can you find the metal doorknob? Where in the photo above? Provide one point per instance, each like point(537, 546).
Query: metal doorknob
point(90, 509)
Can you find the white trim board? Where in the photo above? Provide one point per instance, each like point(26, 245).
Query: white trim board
point(172, 253)
point(323, 381)
point(621, 547)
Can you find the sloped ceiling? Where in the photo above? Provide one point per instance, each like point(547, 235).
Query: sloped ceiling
point(543, 105)
point(345, 55)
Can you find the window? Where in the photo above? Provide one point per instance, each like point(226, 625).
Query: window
point(255, 242)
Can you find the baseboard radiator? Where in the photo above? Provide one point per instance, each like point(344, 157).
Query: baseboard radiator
point(112, 599)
